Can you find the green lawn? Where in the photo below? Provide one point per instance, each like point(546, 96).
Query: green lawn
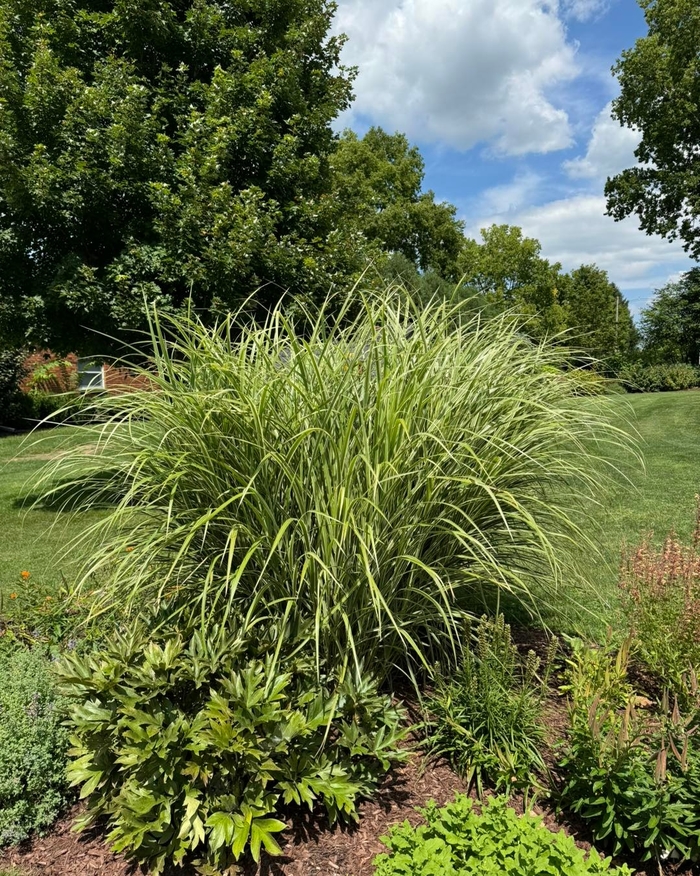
point(662, 496)
point(33, 540)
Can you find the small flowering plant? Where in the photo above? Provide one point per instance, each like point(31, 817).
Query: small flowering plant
point(660, 590)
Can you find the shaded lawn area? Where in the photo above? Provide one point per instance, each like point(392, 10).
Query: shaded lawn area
point(661, 498)
point(33, 540)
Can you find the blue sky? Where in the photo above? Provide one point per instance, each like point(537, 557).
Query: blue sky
point(509, 101)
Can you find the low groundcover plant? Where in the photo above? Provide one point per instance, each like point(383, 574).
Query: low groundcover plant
point(458, 840)
point(33, 746)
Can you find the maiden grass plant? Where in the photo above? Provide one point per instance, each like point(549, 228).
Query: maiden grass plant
point(370, 478)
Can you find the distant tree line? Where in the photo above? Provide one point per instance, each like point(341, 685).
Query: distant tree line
point(183, 151)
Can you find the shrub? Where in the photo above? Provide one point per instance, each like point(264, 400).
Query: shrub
point(33, 744)
point(52, 408)
point(191, 748)
point(458, 841)
point(633, 777)
point(485, 717)
point(659, 378)
point(12, 404)
point(372, 476)
point(660, 591)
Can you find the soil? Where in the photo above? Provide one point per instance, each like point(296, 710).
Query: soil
point(310, 846)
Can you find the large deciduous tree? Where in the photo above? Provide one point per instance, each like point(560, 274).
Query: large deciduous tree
point(660, 96)
point(378, 179)
point(598, 315)
point(508, 271)
point(670, 325)
point(164, 148)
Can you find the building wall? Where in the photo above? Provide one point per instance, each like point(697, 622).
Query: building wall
point(64, 378)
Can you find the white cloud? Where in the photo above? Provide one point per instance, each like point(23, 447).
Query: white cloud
point(585, 10)
point(461, 73)
point(576, 231)
point(610, 150)
point(510, 196)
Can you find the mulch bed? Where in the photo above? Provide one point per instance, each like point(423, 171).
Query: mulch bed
point(309, 846)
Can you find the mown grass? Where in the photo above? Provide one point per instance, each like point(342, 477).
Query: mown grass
point(659, 499)
point(33, 539)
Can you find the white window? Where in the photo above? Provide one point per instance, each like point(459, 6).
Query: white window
point(90, 375)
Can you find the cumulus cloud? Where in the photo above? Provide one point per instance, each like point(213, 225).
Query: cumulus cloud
point(576, 231)
point(585, 10)
point(461, 73)
point(508, 197)
point(610, 150)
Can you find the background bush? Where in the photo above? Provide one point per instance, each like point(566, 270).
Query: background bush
point(659, 378)
point(457, 841)
point(12, 402)
point(33, 746)
point(374, 476)
point(485, 716)
point(190, 748)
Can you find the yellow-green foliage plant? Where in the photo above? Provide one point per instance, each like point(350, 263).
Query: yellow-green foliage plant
point(371, 475)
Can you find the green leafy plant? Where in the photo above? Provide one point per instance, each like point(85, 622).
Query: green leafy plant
point(12, 401)
point(597, 672)
point(191, 748)
point(459, 841)
point(372, 475)
point(633, 775)
point(53, 376)
point(485, 716)
point(33, 746)
point(660, 589)
point(659, 378)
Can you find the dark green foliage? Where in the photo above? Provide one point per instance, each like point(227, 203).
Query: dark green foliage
point(190, 748)
point(671, 323)
point(160, 150)
point(485, 717)
point(633, 777)
point(659, 378)
point(598, 316)
point(458, 841)
point(378, 179)
point(659, 96)
point(33, 744)
point(13, 406)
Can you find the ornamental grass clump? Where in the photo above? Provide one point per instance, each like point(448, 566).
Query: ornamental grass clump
point(370, 476)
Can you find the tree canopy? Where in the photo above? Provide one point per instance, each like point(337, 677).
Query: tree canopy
point(378, 179)
point(660, 96)
point(598, 316)
point(670, 325)
point(165, 148)
point(507, 269)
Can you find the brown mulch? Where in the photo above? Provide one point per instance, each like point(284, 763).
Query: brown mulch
point(65, 853)
point(309, 847)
